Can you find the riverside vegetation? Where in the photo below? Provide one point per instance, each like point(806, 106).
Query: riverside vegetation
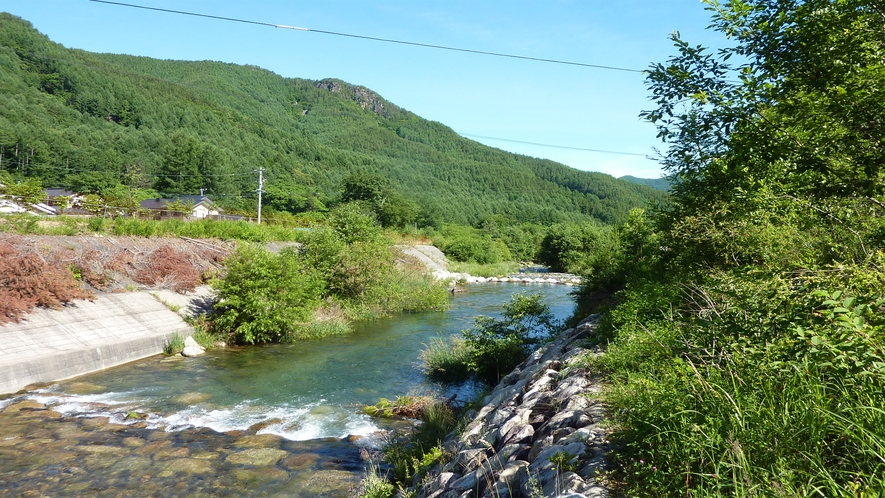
point(745, 353)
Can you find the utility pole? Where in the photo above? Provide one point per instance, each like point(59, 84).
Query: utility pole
point(260, 190)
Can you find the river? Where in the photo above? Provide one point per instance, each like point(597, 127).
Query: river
point(276, 420)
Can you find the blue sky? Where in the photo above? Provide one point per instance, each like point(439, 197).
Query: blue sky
point(476, 95)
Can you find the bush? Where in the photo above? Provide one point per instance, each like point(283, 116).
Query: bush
point(27, 280)
point(174, 345)
point(575, 248)
point(753, 381)
point(480, 249)
point(265, 296)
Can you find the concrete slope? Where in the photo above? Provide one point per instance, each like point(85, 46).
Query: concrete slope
point(84, 337)
point(432, 257)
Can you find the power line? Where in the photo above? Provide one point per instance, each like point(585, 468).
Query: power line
point(557, 146)
point(373, 38)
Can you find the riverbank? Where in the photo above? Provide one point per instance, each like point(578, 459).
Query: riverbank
point(85, 336)
point(540, 430)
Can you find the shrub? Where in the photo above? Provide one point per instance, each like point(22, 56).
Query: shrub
point(480, 249)
point(27, 280)
point(575, 247)
point(498, 345)
point(265, 296)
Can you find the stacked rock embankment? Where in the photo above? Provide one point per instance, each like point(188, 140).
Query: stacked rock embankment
point(539, 431)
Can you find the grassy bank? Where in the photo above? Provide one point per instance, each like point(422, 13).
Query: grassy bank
point(26, 224)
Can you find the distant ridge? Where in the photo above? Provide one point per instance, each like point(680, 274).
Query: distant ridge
point(655, 183)
point(72, 117)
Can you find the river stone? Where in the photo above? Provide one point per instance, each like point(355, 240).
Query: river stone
point(470, 459)
point(538, 402)
point(254, 428)
point(191, 352)
point(561, 433)
point(329, 482)
point(89, 423)
point(513, 452)
point(81, 387)
point(542, 460)
point(468, 481)
point(511, 480)
point(579, 402)
point(133, 442)
point(518, 433)
point(191, 398)
point(24, 404)
point(257, 441)
point(501, 416)
point(301, 461)
point(564, 484)
point(569, 418)
point(101, 449)
point(435, 487)
point(257, 457)
point(171, 453)
point(510, 378)
point(190, 466)
point(582, 435)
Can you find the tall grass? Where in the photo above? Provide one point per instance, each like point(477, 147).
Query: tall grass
point(447, 359)
point(412, 454)
point(174, 345)
point(717, 408)
point(205, 228)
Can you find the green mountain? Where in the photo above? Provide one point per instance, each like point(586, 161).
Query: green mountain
point(655, 183)
point(81, 119)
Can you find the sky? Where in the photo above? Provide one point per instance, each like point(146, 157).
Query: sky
point(482, 97)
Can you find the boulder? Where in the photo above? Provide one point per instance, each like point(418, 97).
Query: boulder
point(192, 348)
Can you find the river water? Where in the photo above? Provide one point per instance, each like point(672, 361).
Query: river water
point(279, 419)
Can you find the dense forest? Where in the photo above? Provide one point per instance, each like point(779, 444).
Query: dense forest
point(96, 122)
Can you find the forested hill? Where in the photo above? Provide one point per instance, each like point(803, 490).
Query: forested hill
point(86, 120)
point(655, 183)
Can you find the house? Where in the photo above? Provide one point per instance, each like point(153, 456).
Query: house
point(65, 201)
point(200, 207)
point(11, 205)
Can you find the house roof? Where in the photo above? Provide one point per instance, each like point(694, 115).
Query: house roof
point(186, 199)
point(58, 192)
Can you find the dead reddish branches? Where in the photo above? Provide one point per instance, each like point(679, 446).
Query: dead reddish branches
point(27, 281)
point(170, 267)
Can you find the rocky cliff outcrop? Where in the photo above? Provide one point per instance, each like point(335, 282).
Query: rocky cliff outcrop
point(539, 431)
point(367, 99)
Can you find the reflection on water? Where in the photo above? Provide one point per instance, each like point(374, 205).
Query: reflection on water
point(309, 391)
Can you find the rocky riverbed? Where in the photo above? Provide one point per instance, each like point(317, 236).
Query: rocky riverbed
point(43, 453)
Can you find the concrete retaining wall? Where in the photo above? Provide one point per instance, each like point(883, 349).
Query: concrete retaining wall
point(84, 337)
